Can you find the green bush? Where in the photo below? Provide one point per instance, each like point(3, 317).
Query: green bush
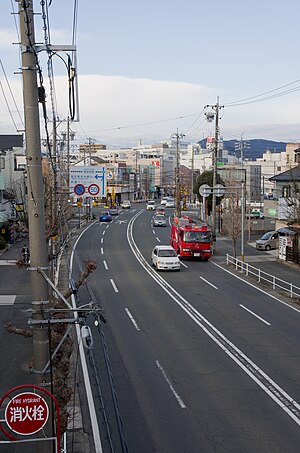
point(2, 243)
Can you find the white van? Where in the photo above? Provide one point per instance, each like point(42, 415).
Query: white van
point(151, 205)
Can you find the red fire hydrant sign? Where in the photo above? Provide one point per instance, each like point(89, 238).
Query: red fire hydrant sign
point(26, 413)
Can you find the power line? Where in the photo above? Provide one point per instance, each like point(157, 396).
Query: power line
point(254, 99)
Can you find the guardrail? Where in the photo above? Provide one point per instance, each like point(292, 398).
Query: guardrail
point(277, 283)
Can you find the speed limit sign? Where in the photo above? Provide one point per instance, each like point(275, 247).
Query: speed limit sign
point(93, 189)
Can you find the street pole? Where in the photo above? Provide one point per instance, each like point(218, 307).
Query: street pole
point(215, 166)
point(210, 115)
point(177, 136)
point(243, 222)
point(35, 188)
point(192, 180)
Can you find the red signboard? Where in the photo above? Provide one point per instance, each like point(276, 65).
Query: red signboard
point(26, 413)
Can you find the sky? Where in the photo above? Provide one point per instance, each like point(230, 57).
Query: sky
point(148, 69)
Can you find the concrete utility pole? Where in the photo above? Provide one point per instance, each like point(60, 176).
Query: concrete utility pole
point(36, 214)
point(216, 156)
point(240, 146)
point(177, 136)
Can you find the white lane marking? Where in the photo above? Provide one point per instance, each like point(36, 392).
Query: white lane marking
point(101, 250)
point(114, 286)
point(101, 240)
point(105, 265)
point(273, 390)
point(103, 232)
point(7, 299)
point(184, 265)
point(132, 319)
point(153, 231)
point(7, 262)
point(157, 239)
point(257, 288)
point(254, 314)
point(88, 388)
point(107, 226)
point(179, 400)
point(206, 281)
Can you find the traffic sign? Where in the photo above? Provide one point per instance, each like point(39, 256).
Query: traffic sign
point(88, 176)
point(205, 190)
point(219, 190)
point(26, 413)
point(93, 189)
point(79, 189)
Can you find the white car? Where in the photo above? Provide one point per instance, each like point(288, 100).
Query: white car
point(170, 203)
point(126, 204)
point(151, 205)
point(163, 200)
point(164, 257)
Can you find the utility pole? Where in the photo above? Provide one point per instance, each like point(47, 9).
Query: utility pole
point(177, 136)
point(240, 146)
point(214, 112)
point(36, 214)
point(192, 178)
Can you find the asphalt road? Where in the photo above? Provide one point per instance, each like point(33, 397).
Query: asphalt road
point(201, 360)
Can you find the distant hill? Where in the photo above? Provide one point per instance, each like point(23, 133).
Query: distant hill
point(256, 149)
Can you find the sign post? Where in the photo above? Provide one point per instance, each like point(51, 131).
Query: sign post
point(27, 413)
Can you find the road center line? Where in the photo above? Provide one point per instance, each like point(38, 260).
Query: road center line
point(206, 281)
point(153, 231)
point(157, 239)
point(103, 233)
point(101, 250)
point(132, 319)
point(114, 286)
point(254, 314)
point(105, 265)
point(179, 400)
point(184, 265)
point(270, 387)
point(101, 240)
point(107, 226)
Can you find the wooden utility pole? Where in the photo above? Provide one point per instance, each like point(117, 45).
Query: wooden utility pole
point(35, 188)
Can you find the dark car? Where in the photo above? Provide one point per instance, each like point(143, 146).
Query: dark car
point(105, 217)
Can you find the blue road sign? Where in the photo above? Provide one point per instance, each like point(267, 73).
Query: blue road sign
point(79, 189)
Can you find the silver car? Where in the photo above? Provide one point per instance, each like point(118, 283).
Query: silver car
point(159, 221)
point(268, 241)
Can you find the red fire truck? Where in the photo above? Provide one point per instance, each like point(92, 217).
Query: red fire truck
point(190, 239)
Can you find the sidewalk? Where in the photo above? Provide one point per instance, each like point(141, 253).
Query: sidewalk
point(265, 261)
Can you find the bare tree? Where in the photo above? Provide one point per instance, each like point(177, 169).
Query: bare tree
point(232, 217)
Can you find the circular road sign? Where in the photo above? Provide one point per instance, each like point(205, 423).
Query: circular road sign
point(26, 413)
point(79, 189)
point(93, 189)
point(219, 190)
point(205, 190)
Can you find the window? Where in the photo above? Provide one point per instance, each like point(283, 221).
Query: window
point(286, 191)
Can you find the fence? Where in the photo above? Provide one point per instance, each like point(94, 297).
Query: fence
point(277, 283)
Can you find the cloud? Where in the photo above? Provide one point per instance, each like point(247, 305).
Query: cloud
point(119, 111)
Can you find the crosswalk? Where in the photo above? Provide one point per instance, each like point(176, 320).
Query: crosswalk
point(8, 299)
point(8, 262)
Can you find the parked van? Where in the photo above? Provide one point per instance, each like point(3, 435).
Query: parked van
point(268, 241)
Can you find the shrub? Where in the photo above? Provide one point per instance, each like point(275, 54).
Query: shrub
point(2, 243)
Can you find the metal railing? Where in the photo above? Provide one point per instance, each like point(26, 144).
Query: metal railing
point(277, 283)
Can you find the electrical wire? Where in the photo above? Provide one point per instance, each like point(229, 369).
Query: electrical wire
point(231, 104)
point(8, 107)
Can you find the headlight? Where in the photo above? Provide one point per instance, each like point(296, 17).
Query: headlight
point(185, 250)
